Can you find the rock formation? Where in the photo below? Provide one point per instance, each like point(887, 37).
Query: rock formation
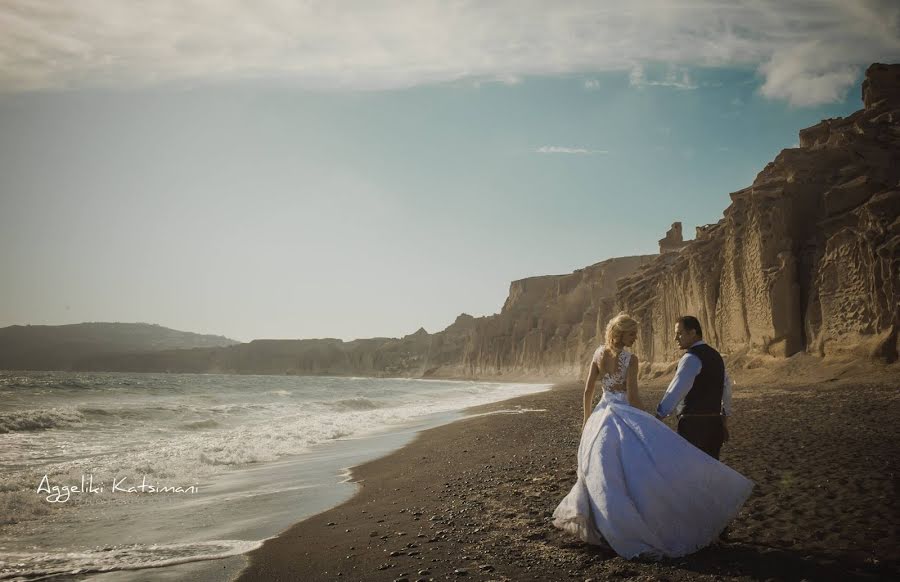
point(673, 240)
point(548, 325)
point(806, 258)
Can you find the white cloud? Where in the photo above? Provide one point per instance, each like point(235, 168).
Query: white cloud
point(592, 84)
point(807, 51)
point(809, 74)
point(677, 78)
point(567, 150)
point(510, 79)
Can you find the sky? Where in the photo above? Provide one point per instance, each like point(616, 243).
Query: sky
point(358, 169)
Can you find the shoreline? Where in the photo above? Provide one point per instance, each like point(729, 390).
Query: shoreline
point(372, 473)
point(475, 495)
point(283, 494)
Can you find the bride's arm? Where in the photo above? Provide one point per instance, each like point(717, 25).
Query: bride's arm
point(589, 391)
point(631, 383)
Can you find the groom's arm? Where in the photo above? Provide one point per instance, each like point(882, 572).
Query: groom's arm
point(688, 367)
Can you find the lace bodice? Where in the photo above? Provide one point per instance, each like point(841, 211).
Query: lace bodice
point(614, 383)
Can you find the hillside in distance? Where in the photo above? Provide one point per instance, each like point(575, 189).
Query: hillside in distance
point(59, 347)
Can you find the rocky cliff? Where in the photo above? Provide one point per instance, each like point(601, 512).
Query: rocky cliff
point(547, 327)
point(805, 258)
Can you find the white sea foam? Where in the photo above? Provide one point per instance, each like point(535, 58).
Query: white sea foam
point(191, 427)
point(38, 419)
point(184, 430)
point(38, 565)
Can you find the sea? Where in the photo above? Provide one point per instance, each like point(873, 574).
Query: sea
point(129, 477)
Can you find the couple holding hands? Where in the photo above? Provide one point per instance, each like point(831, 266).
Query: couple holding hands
point(642, 489)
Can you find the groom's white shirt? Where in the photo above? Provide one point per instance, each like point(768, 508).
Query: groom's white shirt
point(688, 367)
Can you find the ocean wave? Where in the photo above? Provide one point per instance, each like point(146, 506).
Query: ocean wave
point(258, 432)
point(234, 456)
point(200, 424)
point(20, 505)
point(37, 566)
point(40, 419)
point(130, 414)
point(358, 403)
point(75, 383)
point(96, 411)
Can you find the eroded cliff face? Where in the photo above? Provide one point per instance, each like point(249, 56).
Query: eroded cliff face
point(806, 258)
point(548, 326)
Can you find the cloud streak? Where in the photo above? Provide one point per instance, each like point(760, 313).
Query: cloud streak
point(568, 150)
point(807, 52)
point(678, 79)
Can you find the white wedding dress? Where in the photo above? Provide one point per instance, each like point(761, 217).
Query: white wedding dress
point(642, 489)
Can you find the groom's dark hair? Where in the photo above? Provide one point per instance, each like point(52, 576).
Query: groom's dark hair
point(691, 322)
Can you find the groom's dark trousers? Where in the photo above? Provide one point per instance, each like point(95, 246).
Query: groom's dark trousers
point(704, 432)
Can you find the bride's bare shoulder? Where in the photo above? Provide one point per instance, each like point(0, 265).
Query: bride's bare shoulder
point(598, 358)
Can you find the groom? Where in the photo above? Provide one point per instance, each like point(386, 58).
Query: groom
point(703, 384)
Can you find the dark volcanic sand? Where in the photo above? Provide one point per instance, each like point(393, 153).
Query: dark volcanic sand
point(477, 495)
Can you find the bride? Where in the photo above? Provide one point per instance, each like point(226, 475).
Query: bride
point(642, 489)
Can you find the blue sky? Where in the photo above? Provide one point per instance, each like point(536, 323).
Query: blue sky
point(296, 200)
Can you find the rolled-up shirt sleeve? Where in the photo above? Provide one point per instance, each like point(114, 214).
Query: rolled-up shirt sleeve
point(726, 396)
point(688, 367)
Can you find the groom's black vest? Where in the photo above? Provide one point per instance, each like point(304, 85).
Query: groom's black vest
point(706, 394)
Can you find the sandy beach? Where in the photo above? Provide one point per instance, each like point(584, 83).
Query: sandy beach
point(473, 499)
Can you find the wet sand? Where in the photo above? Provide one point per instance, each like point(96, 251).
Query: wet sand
point(473, 499)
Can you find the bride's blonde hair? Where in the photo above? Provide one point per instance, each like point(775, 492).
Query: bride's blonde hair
point(616, 328)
